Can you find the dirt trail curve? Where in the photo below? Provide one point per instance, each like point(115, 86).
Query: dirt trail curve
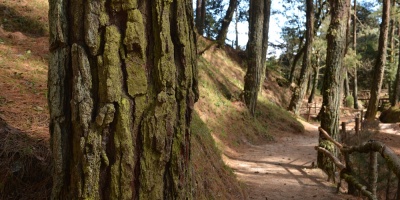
point(283, 169)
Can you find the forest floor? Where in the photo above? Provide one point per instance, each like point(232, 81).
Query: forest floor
point(286, 168)
point(272, 154)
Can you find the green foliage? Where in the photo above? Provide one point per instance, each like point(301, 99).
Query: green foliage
point(351, 60)
point(349, 101)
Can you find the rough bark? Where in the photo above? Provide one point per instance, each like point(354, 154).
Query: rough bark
point(329, 114)
point(300, 90)
point(379, 68)
point(226, 22)
point(255, 52)
point(122, 85)
point(200, 16)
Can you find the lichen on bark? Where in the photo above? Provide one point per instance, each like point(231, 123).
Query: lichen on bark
point(122, 88)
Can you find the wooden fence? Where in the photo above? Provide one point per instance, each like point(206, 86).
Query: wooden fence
point(373, 148)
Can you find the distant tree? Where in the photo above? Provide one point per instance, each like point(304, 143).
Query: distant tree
point(355, 77)
point(329, 114)
point(267, 15)
point(121, 90)
point(300, 90)
point(315, 77)
point(256, 51)
point(379, 67)
point(226, 21)
point(200, 16)
point(396, 85)
point(213, 18)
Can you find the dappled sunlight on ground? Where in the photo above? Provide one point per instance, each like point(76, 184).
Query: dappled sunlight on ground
point(283, 169)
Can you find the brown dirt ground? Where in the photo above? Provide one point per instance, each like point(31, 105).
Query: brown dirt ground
point(283, 169)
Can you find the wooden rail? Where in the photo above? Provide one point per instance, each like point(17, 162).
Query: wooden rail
point(373, 148)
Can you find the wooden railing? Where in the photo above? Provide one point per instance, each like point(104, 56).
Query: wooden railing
point(373, 148)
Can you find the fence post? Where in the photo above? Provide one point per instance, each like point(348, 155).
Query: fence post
point(362, 115)
point(309, 111)
point(344, 137)
point(350, 187)
point(357, 125)
point(373, 172)
point(315, 107)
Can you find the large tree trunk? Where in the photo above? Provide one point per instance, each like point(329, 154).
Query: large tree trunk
point(329, 114)
point(122, 84)
point(379, 68)
point(256, 51)
point(300, 90)
point(226, 21)
point(200, 16)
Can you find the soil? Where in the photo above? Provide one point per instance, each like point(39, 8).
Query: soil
point(283, 169)
point(286, 168)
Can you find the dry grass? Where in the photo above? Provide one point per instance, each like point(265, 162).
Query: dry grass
point(220, 106)
point(25, 162)
point(23, 82)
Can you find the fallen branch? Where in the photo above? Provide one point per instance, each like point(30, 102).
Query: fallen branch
point(335, 160)
point(327, 136)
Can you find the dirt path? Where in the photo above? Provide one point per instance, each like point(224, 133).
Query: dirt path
point(283, 169)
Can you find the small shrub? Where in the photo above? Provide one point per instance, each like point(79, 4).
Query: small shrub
point(349, 101)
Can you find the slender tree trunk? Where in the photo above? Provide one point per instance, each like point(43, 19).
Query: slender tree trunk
point(336, 39)
point(121, 93)
point(346, 85)
point(236, 29)
point(379, 68)
point(226, 21)
point(315, 79)
point(295, 60)
point(355, 84)
point(391, 52)
point(200, 16)
point(396, 85)
point(255, 51)
point(267, 14)
point(309, 82)
point(299, 93)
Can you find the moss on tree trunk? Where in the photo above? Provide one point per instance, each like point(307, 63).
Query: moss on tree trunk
point(332, 84)
point(122, 85)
